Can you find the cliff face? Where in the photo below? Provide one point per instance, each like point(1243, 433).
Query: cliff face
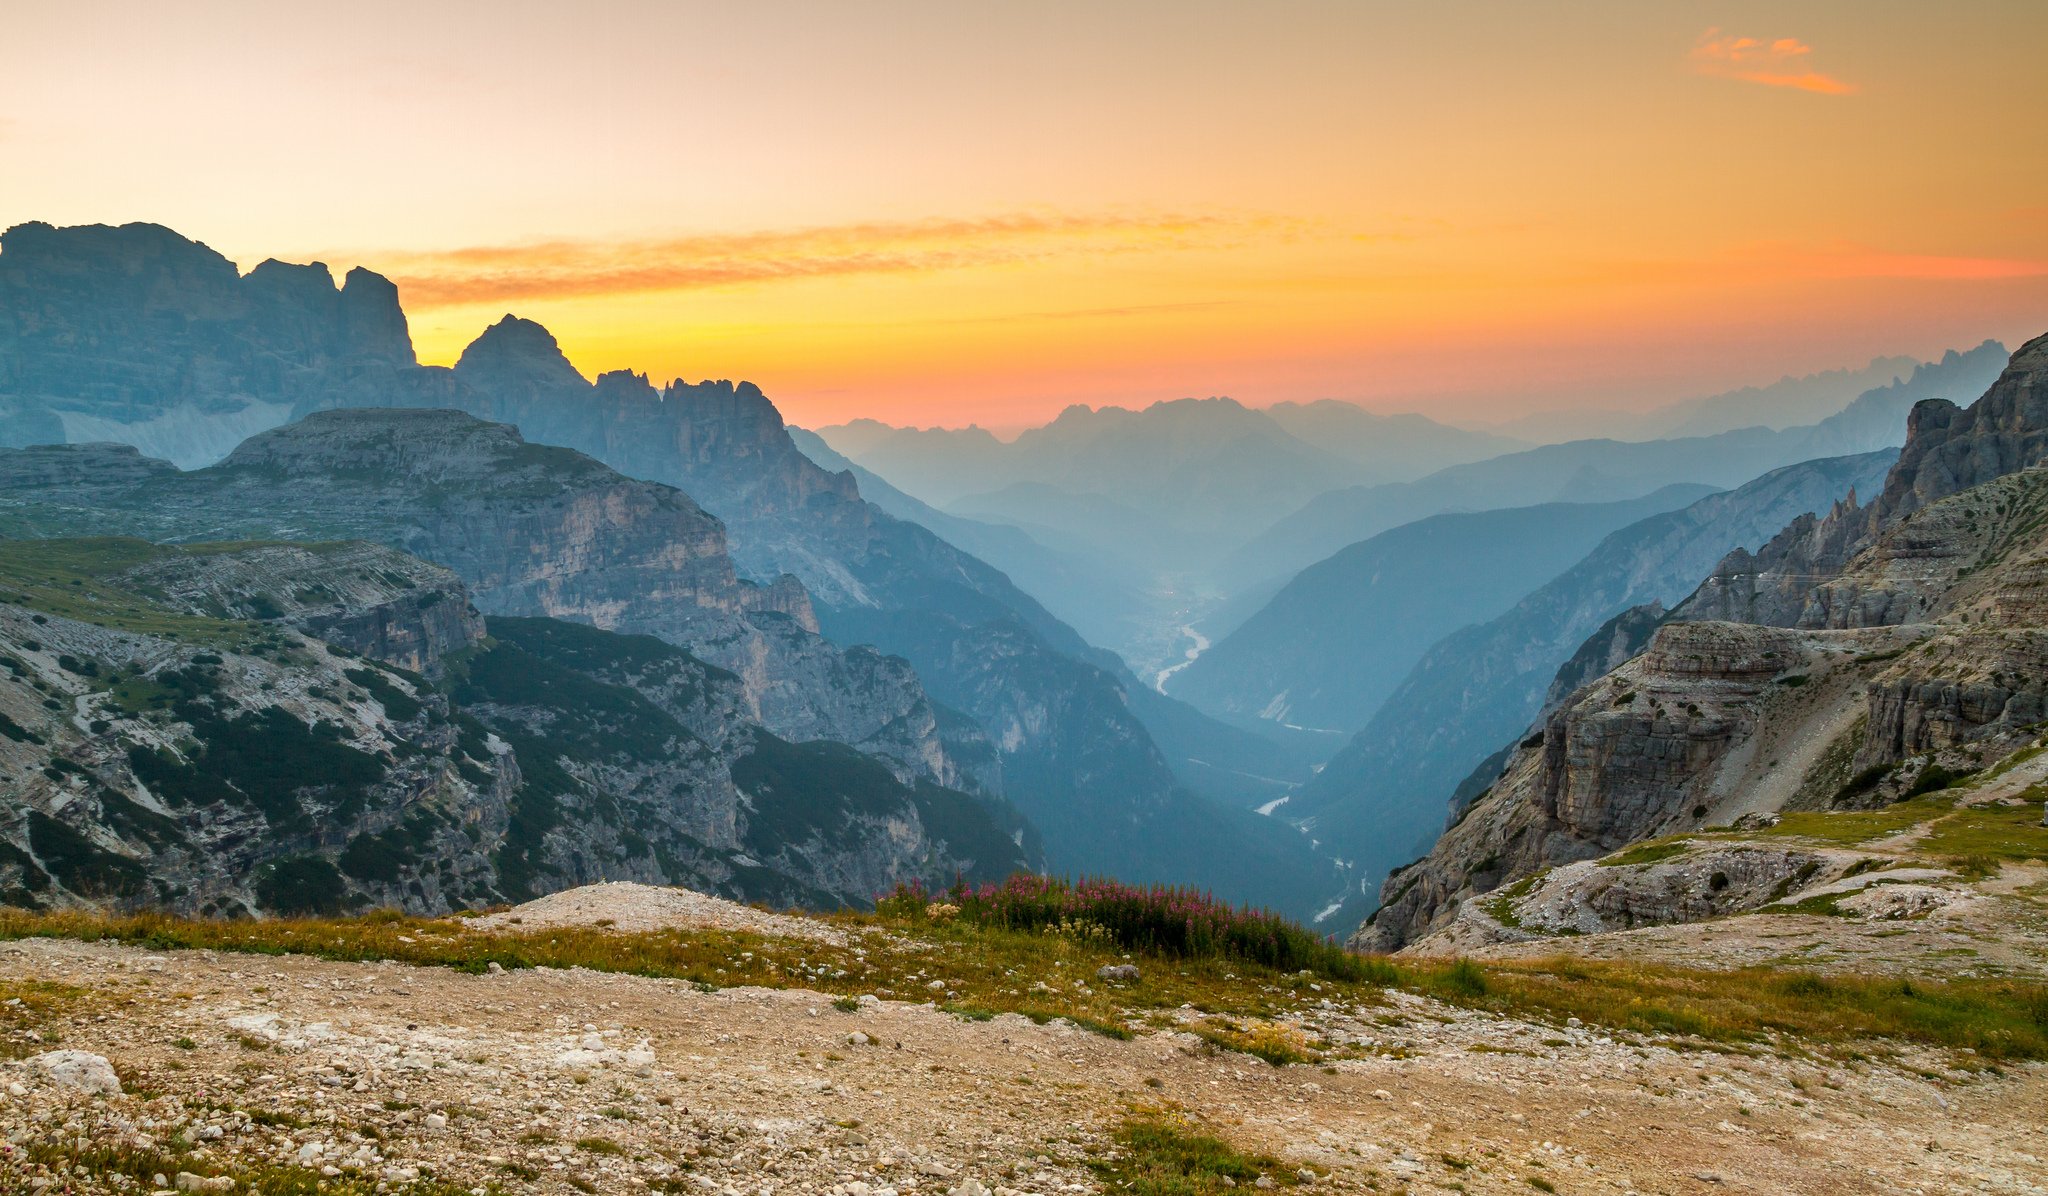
point(139, 335)
point(1948, 449)
point(179, 731)
point(1719, 720)
point(532, 530)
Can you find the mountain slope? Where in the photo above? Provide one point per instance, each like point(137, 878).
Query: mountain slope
point(241, 728)
point(533, 530)
point(1330, 646)
point(1387, 792)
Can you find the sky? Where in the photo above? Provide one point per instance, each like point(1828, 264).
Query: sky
point(962, 212)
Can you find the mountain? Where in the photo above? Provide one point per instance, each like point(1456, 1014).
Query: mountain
point(312, 727)
point(1386, 794)
point(1600, 470)
point(139, 335)
point(1788, 402)
point(1077, 757)
point(869, 578)
point(1894, 647)
point(1390, 448)
point(1099, 596)
point(1331, 645)
point(1171, 485)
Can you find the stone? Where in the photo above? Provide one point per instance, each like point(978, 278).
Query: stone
point(1117, 973)
point(79, 1070)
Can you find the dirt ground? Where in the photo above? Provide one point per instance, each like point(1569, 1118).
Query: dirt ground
point(556, 1081)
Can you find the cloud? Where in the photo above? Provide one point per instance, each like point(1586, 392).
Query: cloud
point(557, 269)
point(1780, 62)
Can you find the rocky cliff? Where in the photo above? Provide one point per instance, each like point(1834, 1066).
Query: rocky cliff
point(308, 728)
point(1716, 721)
point(139, 335)
point(1948, 449)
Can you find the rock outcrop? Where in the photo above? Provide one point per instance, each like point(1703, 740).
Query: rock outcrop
point(1717, 720)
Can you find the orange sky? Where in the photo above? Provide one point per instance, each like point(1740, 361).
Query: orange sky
point(944, 212)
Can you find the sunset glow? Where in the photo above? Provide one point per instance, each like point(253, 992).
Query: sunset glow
point(1011, 210)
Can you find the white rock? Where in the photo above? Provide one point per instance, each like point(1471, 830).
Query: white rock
point(81, 1070)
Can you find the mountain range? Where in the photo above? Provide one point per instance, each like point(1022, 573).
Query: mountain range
point(1326, 650)
point(1606, 469)
point(139, 335)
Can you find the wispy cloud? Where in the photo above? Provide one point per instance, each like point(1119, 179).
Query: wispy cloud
point(557, 269)
point(1779, 62)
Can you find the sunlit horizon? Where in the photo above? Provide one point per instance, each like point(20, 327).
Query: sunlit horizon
point(944, 217)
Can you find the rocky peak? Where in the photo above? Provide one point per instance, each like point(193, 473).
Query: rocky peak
point(1950, 449)
point(626, 387)
point(99, 254)
point(374, 320)
point(516, 352)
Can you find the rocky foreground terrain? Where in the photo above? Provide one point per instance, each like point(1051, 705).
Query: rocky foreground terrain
point(136, 1069)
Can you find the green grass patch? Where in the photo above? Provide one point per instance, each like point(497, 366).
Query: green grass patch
point(1996, 1018)
point(1166, 1155)
point(1656, 851)
point(66, 578)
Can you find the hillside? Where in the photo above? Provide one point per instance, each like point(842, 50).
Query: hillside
point(1387, 793)
point(1326, 651)
point(900, 610)
point(253, 728)
point(1606, 469)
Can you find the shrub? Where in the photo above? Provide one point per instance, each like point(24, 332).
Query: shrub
point(1161, 919)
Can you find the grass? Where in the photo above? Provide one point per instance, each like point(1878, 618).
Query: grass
point(1850, 828)
point(31, 1006)
point(1998, 1019)
point(989, 971)
point(64, 577)
point(1277, 1044)
point(1164, 1154)
point(95, 1154)
point(1990, 833)
point(1161, 920)
point(1502, 908)
point(1656, 851)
